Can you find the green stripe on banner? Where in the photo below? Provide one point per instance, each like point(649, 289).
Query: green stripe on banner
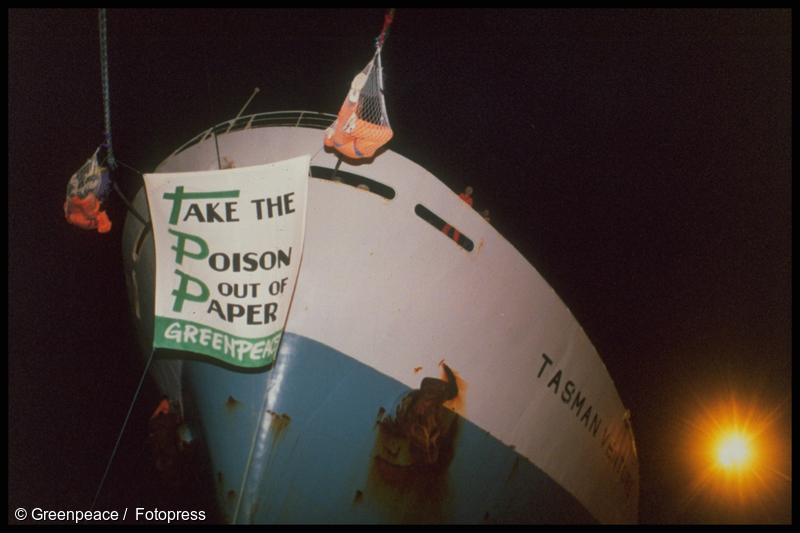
point(176, 334)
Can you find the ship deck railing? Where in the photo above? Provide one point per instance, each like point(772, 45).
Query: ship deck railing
point(291, 119)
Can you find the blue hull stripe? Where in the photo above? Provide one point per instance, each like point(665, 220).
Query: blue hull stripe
point(320, 456)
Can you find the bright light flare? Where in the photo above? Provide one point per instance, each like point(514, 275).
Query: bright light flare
point(739, 461)
point(734, 451)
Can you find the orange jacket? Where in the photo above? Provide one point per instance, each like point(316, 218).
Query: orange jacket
point(163, 408)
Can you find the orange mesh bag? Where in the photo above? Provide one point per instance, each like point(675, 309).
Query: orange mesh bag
point(84, 190)
point(363, 125)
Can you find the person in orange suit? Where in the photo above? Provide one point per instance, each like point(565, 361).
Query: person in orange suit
point(467, 197)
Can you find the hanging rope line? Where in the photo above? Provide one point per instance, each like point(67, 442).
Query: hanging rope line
point(119, 438)
point(106, 96)
point(387, 21)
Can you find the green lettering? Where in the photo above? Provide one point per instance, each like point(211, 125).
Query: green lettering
point(182, 294)
point(180, 248)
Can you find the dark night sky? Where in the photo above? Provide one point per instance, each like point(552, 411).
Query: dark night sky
point(641, 160)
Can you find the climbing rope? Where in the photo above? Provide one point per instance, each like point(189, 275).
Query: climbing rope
point(106, 97)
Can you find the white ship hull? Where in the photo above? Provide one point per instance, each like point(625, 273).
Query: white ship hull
point(384, 299)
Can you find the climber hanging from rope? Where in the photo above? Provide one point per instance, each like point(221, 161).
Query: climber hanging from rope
point(363, 125)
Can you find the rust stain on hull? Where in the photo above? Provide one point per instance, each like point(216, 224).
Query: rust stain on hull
point(412, 492)
point(459, 403)
point(232, 403)
point(277, 424)
point(413, 450)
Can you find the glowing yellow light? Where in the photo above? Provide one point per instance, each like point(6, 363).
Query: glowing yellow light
point(733, 452)
point(738, 455)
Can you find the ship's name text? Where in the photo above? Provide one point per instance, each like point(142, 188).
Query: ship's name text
point(616, 444)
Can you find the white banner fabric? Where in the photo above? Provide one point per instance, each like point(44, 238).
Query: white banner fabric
point(228, 249)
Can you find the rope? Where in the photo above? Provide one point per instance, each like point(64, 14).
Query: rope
point(108, 467)
point(387, 21)
point(106, 98)
point(129, 205)
point(127, 202)
point(256, 433)
point(130, 167)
